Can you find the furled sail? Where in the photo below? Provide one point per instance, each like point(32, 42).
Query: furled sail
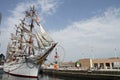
point(44, 42)
point(24, 29)
point(40, 45)
point(14, 37)
point(45, 35)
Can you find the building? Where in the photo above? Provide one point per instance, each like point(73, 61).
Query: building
point(106, 63)
point(62, 65)
point(67, 65)
point(2, 59)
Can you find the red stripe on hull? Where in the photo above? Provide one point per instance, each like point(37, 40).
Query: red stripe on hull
point(21, 75)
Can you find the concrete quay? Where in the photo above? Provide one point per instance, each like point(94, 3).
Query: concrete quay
point(98, 75)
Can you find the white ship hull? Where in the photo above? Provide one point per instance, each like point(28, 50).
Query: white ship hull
point(26, 68)
point(22, 69)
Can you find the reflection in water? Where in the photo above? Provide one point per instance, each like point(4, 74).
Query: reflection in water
point(4, 76)
point(41, 77)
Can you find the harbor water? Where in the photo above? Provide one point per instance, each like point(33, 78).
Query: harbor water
point(4, 76)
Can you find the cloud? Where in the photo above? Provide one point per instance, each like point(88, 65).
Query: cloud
point(48, 6)
point(96, 37)
point(45, 7)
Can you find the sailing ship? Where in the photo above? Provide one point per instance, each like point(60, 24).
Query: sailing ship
point(29, 47)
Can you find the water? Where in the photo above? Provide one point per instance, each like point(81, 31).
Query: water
point(4, 76)
point(43, 77)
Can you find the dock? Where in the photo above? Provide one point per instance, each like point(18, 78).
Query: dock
point(98, 75)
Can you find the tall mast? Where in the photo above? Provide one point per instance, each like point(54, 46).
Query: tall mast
point(31, 27)
point(21, 37)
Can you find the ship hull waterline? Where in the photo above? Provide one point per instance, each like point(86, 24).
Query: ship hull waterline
point(23, 70)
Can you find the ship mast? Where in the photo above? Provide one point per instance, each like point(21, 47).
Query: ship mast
point(22, 41)
point(31, 27)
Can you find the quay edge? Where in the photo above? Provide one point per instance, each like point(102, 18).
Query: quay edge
point(98, 75)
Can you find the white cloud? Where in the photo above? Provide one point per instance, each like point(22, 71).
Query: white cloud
point(97, 36)
point(48, 6)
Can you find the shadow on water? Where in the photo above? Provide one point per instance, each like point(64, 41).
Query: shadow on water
point(4, 76)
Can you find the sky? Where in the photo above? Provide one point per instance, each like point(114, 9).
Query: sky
point(82, 28)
